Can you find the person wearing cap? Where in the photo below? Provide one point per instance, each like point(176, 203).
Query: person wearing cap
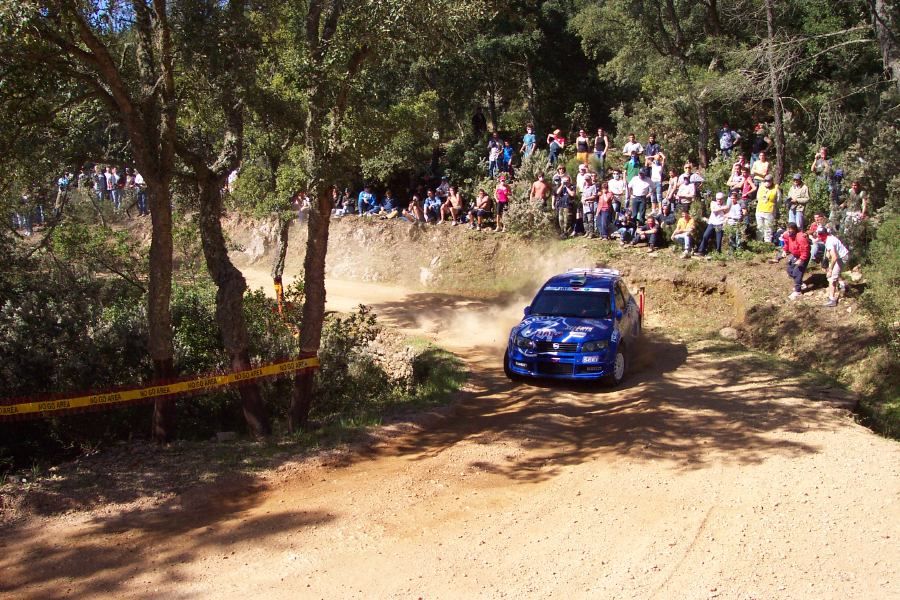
point(715, 223)
point(556, 181)
point(766, 198)
point(582, 175)
point(798, 197)
point(796, 245)
point(589, 197)
point(684, 231)
point(557, 143)
point(639, 186)
point(837, 254)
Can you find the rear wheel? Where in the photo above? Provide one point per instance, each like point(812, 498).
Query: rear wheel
point(619, 367)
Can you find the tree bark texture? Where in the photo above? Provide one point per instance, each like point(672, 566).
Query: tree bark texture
point(703, 134)
point(281, 253)
point(313, 306)
point(777, 108)
point(886, 21)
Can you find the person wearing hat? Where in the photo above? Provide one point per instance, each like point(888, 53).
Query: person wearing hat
point(837, 254)
point(766, 198)
point(718, 209)
point(798, 197)
point(557, 143)
point(580, 178)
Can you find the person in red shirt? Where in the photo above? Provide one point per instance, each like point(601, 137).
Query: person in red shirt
point(796, 245)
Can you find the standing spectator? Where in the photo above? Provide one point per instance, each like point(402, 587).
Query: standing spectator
point(855, 206)
point(23, 215)
point(529, 142)
point(647, 233)
point(657, 168)
point(632, 169)
point(749, 187)
point(443, 189)
point(582, 175)
point(766, 199)
point(728, 138)
point(604, 210)
point(640, 185)
point(715, 223)
point(672, 188)
point(653, 150)
point(589, 197)
point(798, 198)
point(140, 189)
point(493, 161)
point(687, 190)
point(556, 143)
point(432, 207)
point(84, 179)
point(736, 179)
point(822, 166)
point(601, 147)
point(539, 189)
point(837, 254)
point(99, 180)
point(480, 210)
point(582, 147)
point(760, 142)
point(684, 231)
point(632, 146)
point(62, 191)
point(760, 169)
point(617, 188)
point(562, 204)
point(506, 157)
point(796, 245)
point(501, 195)
point(735, 222)
point(112, 189)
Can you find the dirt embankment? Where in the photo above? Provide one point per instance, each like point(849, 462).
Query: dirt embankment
point(701, 296)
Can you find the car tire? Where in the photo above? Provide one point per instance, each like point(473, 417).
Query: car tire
point(620, 367)
point(507, 371)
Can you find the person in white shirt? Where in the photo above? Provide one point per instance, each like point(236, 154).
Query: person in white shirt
point(580, 178)
point(686, 192)
point(617, 189)
point(632, 145)
point(589, 205)
point(837, 254)
point(640, 186)
point(734, 220)
point(715, 223)
point(657, 169)
point(140, 188)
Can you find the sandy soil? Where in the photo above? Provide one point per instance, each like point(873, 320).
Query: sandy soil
point(711, 474)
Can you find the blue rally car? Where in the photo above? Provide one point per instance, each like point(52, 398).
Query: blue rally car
point(581, 325)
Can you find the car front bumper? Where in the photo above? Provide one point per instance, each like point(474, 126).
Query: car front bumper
point(558, 366)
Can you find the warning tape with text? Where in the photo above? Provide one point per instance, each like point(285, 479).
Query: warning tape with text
point(135, 395)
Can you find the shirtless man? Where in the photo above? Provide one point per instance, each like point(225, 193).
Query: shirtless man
point(539, 191)
point(453, 206)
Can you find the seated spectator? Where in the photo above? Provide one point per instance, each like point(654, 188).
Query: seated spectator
point(796, 245)
point(481, 210)
point(625, 225)
point(454, 207)
point(649, 232)
point(684, 230)
point(365, 201)
point(432, 207)
point(414, 211)
point(837, 255)
point(388, 207)
point(718, 209)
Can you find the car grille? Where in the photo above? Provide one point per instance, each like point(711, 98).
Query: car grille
point(554, 368)
point(559, 347)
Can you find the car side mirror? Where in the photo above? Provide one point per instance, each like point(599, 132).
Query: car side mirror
point(527, 310)
point(619, 315)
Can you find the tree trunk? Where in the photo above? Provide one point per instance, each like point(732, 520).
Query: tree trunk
point(159, 296)
point(530, 95)
point(703, 134)
point(492, 105)
point(229, 300)
point(886, 20)
point(281, 254)
point(313, 305)
point(777, 108)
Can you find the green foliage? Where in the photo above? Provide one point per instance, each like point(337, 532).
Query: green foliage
point(883, 272)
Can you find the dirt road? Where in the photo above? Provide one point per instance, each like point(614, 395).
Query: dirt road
point(711, 474)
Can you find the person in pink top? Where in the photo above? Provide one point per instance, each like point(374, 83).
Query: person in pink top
point(501, 195)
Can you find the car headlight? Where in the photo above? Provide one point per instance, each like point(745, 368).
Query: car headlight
point(524, 343)
point(594, 346)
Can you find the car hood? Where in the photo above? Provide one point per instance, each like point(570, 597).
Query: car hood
point(564, 329)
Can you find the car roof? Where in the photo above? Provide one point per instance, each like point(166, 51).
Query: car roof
point(585, 278)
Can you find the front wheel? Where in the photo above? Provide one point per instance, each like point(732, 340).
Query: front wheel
point(619, 367)
point(508, 371)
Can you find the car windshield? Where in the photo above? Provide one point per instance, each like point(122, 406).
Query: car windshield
point(592, 304)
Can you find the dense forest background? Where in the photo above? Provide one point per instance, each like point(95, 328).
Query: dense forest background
point(306, 95)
